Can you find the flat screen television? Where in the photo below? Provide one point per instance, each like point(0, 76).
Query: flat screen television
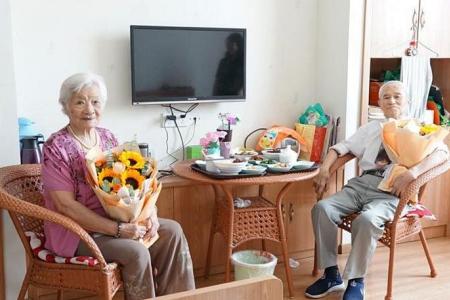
point(187, 64)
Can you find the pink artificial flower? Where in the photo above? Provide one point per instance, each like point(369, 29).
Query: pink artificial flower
point(204, 142)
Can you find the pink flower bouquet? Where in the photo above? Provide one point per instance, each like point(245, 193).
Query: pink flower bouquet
point(210, 142)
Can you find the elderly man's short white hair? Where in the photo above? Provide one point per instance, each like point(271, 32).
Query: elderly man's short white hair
point(387, 84)
point(79, 81)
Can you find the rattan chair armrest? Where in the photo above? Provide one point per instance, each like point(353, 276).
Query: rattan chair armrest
point(414, 186)
point(340, 161)
point(19, 206)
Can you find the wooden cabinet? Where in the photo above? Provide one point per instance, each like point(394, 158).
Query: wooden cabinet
point(391, 26)
point(394, 23)
point(436, 25)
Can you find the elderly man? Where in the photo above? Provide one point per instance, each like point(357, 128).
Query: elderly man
point(361, 195)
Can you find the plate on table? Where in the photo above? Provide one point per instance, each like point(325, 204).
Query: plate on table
point(268, 162)
point(302, 165)
point(214, 175)
point(201, 164)
point(279, 168)
point(230, 166)
point(253, 169)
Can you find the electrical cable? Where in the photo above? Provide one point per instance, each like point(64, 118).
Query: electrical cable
point(190, 139)
point(178, 129)
point(167, 143)
point(176, 150)
point(181, 136)
point(191, 108)
point(174, 119)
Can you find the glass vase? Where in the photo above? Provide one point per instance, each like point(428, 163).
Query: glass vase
point(225, 149)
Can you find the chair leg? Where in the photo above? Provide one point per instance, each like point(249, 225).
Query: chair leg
point(287, 268)
point(60, 295)
point(390, 271)
point(427, 253)
point(228, 263)
point(315, 270)
point(25, 285)
point(210, 249)
point(263, 245)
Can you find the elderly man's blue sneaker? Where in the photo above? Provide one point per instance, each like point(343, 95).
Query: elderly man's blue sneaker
point(331, 281)
point(355, 290)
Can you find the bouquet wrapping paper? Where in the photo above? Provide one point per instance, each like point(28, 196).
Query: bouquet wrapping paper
point(136, 208)
point(406, 147)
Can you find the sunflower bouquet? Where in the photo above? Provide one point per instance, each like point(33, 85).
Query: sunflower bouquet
point(420, 140)
point(125, 183)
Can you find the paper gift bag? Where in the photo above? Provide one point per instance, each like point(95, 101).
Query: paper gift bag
point(314, 137)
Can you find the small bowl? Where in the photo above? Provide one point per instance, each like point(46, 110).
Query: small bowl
point(245, 155)
point(254, 169)
point(267, 154)
point(227, 166)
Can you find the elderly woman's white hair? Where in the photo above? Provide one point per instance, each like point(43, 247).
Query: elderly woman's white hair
point(76, 83)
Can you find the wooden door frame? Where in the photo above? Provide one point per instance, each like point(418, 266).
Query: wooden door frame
point(366, 62)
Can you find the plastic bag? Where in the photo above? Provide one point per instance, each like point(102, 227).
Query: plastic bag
point(314, 115)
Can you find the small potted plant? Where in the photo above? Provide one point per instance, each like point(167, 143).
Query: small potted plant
point(227, 121)
point(210, 143)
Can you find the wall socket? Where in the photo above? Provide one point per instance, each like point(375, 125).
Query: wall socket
point(181, 122)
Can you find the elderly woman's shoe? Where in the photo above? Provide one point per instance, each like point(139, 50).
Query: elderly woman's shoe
point(331, 281)
point(355, 289)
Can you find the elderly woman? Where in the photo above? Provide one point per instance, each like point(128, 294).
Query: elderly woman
point(66, 191)
point(361, 195)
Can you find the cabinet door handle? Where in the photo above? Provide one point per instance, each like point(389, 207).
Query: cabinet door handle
point(283, 211)
point(422, 19)
point(291, 212)
point(414, 21)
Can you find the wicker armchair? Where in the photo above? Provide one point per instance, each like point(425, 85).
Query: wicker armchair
point(399, 228)
point(20, 194)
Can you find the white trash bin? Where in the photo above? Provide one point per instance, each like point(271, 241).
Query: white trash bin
point(253, 263)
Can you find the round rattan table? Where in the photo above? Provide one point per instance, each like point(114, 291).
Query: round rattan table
point(263, 219)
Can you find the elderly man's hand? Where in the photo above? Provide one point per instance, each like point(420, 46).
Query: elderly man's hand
point(321, 181)
point(401, 183)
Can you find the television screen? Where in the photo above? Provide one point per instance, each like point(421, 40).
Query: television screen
point(187, 64)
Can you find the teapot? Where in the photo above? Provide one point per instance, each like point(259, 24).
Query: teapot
point(30, 149)
point(287, 155)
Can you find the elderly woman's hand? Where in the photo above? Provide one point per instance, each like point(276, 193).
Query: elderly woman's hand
point(132, 231)
point(321, 181)
point(152, 225)
point(401, 183)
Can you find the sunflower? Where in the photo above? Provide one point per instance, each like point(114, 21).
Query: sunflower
point(132, 159)
point(108, 175)
point(132, 178)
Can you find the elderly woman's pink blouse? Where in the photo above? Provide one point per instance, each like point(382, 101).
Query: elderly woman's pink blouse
point(64, 169)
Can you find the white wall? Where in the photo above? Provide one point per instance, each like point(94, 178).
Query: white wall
point(339, 65)
point(53, 39)
point(13, 251)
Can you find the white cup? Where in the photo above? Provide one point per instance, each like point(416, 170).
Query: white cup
point(211, 167)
